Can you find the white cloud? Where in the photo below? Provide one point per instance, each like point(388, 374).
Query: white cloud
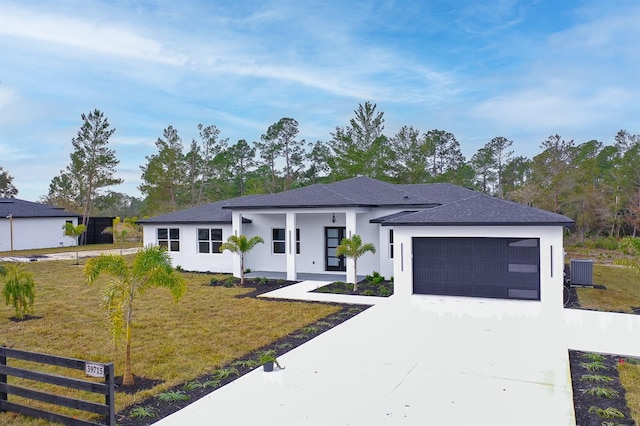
point(90, 35)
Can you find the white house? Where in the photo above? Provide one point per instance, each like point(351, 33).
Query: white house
point(432, 238)
point(26, 225)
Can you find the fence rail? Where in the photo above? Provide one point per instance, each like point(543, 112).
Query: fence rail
point(107, 410)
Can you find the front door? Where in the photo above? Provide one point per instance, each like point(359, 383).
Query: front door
point(333, 237)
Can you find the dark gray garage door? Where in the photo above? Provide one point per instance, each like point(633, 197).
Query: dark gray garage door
point(504, 268)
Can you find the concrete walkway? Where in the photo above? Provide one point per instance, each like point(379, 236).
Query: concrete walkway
point(428, 360)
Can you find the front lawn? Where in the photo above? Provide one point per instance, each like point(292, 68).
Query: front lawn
point(172, 343)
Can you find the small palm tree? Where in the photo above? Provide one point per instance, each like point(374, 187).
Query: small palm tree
point(151, 268)
point(19, 289)
point(353, 248)
point(241, 245)
point(633, 244)
point(120, 232)
point(74, 231)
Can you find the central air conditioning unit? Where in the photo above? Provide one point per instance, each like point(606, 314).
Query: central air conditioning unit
point(581, 272)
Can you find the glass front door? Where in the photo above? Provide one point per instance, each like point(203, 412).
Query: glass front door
point(333, 237)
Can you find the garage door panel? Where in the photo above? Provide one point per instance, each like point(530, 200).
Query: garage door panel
point(477, 267)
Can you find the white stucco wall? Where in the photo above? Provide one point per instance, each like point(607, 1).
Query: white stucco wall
point(312, 224)
point(35, 233)
point(551, 255)
point(188, 257)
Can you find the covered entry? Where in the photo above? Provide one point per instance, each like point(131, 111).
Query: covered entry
point(504, 268)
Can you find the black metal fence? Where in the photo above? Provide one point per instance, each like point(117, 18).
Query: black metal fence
point(106, 410)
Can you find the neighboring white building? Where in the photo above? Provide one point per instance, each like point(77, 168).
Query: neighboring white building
point(432, 238)
point(26, 225)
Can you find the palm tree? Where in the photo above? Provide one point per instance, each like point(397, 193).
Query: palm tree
point(353, 248)
point(71, 230)
point(239, 244)
point(120, 232)
point(633, 245)
point(151, 268)
point(19, 289)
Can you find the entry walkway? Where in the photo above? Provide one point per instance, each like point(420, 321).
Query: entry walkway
point(428, 360)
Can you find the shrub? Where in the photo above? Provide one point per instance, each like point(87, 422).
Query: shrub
point(602, 392)
point(19, 289)
point(608, 243)
point(597, 378)
point(229, 282)
point(375, 278)
point(607, 413)
point(142, 412)
point(172, 396)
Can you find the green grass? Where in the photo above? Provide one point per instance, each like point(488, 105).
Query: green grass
point(174, 343)
point(630, 379)
point(622, 293)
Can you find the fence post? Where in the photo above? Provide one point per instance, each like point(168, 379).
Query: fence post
point(3, 378)
point(110, 396)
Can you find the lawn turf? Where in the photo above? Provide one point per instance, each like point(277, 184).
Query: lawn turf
point(172, 342)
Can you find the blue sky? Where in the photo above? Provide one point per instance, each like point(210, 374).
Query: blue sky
point(479, 69)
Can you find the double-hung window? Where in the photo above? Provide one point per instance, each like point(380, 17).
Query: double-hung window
point(278, 239)
point(390, 243)
point(169, 238)
point(209, 240)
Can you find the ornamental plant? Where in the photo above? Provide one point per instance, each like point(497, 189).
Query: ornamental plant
point(354, 249)
point(241, 245)
point(151, 268)
point(19, 289)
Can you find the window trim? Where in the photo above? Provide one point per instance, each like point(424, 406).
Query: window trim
point(284, 241)
point(210, 240)
point(169, 240)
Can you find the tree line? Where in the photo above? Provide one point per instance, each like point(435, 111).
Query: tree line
point(596, 184)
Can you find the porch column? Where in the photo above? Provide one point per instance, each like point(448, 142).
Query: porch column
point(290, 230)
point(236, 227)
point(350, 223)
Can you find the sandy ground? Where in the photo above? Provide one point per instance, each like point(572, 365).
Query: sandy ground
point(69, 255)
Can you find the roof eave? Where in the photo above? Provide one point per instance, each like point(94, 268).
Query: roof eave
point(569, 224)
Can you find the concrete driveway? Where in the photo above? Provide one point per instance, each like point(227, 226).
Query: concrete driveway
point(426, 361)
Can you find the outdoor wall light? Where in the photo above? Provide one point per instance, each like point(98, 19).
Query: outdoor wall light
point(333, 218)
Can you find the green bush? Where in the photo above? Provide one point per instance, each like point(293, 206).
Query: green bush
point(230, 282)
point(608, 243)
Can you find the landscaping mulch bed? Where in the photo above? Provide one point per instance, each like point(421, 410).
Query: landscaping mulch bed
point(207, 383)
point(380, 288)
point(605, 380)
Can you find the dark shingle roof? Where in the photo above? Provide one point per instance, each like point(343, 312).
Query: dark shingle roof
point(355, 192)
point(479, 209)
point(441, 193)
point(21, 209)
point(204, 213)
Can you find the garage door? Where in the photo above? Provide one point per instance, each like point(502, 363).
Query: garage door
point(504, 268)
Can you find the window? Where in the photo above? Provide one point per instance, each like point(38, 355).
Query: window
point(390, 243)
point(209, 240)
point(279, 240)
point(169, 238)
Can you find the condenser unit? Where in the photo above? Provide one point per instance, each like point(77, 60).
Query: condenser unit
point(581, 272)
